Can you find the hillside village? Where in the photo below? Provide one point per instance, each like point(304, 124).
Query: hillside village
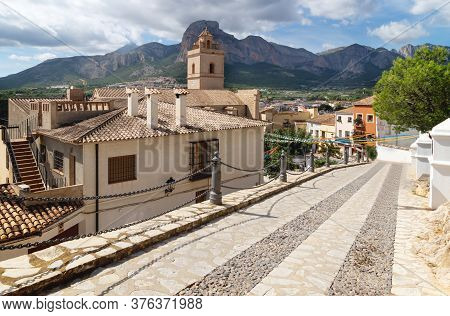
point(107, 169)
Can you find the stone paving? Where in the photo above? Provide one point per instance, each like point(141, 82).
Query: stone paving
point(178, 262)
point(411, 275)
point(240, 274)
point(311, 268)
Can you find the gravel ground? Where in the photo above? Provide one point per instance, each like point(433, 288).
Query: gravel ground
point(241, 273)
point(367, 269)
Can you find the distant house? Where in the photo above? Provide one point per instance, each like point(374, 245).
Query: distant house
point(287, 119)
point(323, 126)
point(344, 123)
point(364, 118)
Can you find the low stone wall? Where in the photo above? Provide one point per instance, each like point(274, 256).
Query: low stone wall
point(29, 274)
point(393, 154)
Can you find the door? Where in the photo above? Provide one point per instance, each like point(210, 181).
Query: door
point(72, 174)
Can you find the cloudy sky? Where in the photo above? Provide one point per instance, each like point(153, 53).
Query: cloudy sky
point(33, 31)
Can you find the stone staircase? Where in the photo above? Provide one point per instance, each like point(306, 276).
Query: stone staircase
point(27, 165)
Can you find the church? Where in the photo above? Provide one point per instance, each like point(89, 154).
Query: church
point(205, 83)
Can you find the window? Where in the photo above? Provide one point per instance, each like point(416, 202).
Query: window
point(347, 134)
point(121, 169)
point(193, 68)
point(323, 134)
point(42, 154)
point(359, 116)
point(58, 161)
point(349, 119)
point(317, 133)
point(369, 118)
point(211, 68)
point(340, 133)
point(339, 119)
point(208, 44)
point(201, 154)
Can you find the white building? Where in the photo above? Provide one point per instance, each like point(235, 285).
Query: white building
point(344, 123)
point(143, 145)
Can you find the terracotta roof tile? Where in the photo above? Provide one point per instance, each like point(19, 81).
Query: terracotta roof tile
point(117, 125)
point(324, 119)
point(20, 221)
point(366, 101)
point(195, 98)
point(349, 111)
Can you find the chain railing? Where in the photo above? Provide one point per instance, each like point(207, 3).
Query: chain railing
point(214, 192)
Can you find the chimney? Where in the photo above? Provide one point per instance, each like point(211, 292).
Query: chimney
point(133, 95)
point(180, 107)
point(151, 96)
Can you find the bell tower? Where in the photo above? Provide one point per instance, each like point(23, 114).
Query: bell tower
point(205, 64)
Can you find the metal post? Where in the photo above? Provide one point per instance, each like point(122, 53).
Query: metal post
point(283, 167)
point(215, 197)
point(311, 161)
point(358, 156)
point(346, 155)
point(327, 163)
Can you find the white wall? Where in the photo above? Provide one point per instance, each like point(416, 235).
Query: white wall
point(393, 154)
point(170, 157)
point(344, 125)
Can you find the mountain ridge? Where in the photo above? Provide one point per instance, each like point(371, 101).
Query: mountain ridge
point(248, 62)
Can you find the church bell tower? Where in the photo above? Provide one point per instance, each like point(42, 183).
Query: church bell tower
point(205, 64)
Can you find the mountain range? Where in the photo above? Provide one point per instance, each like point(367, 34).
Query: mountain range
point(252, 61)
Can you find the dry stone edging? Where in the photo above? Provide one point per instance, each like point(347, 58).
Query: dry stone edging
point(83, 260)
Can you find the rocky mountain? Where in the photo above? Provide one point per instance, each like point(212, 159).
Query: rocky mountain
point(409, 50)
point(249, 61)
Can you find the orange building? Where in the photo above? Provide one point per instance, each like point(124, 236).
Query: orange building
point(364, 118)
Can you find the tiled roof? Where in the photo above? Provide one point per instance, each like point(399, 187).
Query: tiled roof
point(19, 221)
point(367, 101)
point(194, 98)
point(118, 125)
point(324, 119)
point(74, 133)
point(25, 104)
point(348, 111)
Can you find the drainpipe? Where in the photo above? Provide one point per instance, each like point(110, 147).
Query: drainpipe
point(96, 188)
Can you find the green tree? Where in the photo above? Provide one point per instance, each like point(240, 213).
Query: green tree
point(273, 150)
point(414, 93)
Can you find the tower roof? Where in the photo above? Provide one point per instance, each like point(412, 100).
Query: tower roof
point(205, 32)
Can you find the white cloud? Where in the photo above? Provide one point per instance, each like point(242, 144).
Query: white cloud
point(327, 46)
point(38, 57)
point(399, 32)
point(20, 58)
point(44, 56)
point(339, 9)
point(427, 6)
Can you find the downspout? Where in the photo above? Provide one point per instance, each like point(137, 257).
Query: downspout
point(96, 189)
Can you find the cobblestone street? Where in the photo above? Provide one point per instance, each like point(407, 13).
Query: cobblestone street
point(332, 235)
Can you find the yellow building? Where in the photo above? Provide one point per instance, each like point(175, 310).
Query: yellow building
point(323, 126)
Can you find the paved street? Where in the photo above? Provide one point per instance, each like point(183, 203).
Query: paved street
point(332, 235)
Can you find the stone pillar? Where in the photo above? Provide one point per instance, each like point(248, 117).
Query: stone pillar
point(283, 167)
point(215, 196)
point(327, 157)
point(422, 156)
point(440, 165)
point(413, 151)
point(346, 155)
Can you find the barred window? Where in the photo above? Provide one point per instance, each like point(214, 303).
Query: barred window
point(200, 156)
point(58, 161)
point(121, 169)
